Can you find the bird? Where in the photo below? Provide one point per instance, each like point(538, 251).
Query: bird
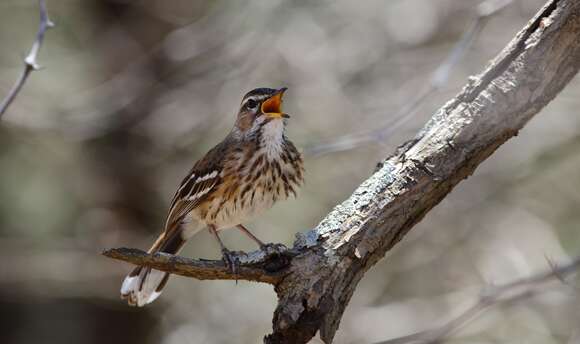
point(255, 166)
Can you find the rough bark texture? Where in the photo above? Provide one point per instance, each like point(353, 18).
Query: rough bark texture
point(320, 273)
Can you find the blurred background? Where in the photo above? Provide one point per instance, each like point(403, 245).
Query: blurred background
point(133, 92)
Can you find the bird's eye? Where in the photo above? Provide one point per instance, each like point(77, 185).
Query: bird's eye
point(251, 104)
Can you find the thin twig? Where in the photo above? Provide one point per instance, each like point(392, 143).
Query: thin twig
point(30, 62)
point(257, 266)
point(437, 80)
point(492, 296)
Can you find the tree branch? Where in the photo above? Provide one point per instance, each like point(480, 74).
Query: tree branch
point(30, 61)
point(492, 296)
point(257, 266)
point(329, 261)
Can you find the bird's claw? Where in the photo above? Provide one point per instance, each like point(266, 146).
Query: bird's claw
point(231, 261)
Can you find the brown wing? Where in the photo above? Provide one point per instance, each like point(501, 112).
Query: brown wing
point(190, 193)
point(196, 186)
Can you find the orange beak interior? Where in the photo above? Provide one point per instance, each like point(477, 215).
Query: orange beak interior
point(272, 107)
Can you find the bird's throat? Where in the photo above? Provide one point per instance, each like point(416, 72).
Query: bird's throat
point(272, 139)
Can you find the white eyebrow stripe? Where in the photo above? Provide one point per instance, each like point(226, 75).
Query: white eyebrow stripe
point(257, 98)
point(246, 100)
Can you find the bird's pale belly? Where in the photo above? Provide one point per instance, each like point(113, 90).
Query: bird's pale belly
point(246, 202)
point(243, 210)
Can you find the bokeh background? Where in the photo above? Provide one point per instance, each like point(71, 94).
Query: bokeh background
point(132, 92)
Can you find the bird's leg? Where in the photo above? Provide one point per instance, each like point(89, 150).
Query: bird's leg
point(227, 256)
point(251, 236)
point(268, 249)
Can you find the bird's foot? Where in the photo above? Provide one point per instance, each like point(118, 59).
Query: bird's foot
point(231, 261)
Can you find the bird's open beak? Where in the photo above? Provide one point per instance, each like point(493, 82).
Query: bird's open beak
point(272, 107)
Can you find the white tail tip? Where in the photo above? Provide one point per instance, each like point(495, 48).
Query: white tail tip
point(140, 293)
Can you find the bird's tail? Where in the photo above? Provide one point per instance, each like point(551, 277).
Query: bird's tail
point(143, 285)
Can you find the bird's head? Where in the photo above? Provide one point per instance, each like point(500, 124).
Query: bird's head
point(259, 108)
